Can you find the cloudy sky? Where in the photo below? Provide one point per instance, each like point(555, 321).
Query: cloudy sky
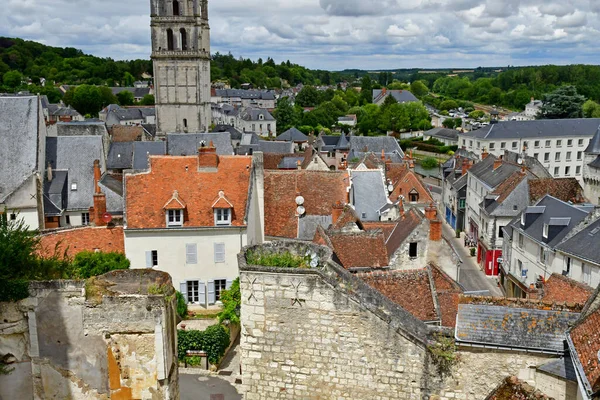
point(335, 34)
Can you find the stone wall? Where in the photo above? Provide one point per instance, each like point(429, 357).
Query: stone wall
point(107, 338)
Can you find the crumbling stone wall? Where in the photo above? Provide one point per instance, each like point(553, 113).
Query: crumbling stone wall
point(114, 342)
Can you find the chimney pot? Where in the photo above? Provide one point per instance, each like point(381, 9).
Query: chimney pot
point(497, 163)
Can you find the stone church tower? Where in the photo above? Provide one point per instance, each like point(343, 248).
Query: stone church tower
point(591, 170)
point(181, 55)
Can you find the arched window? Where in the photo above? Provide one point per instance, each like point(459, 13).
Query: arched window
point(175, 7)
point(183, 35)
point(170, 42)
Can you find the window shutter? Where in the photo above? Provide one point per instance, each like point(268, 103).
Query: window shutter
point(191, 253)
point(183, 290)
point(148, 259)
point(229, 282)
point(219, 252)
point(211, 292)
point(202, 293)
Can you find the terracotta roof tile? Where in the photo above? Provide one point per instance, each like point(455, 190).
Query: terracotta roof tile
point(448, 294)
point(409, 183)
point(148, 192)
point(410, 289)
point(586, 341)
point(565, 189)
point(126, 133)
point(73, 241)
point(359, 249)
point(405, 226)
point(272, 160)
point(386, 227)
point(506, 187)
point(561, 289)
point(320, 189)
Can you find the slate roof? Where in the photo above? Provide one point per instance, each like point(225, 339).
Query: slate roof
point(132, 113)
point(290, 162)
point(331, 143)
point(18, 142)
point(584, 244)
point(120, 155)
point(460, 182)
point(55, 193)
point(253, 114)
point(234, 133)
point(594, 146)
point(368, 193)
point(320, 190)
point(150, 129)
point(142, 152)
point(524, 328)
point(595, 163)
point(76, 154)
point(554, 208)
point(187, 144)
point(375, 144)
point(401, 96)
point(293, 135)
point(443, 133)
point(541, 128)
point(308, 225)
point(485, 171)
point(561, 367)
point(81, 128)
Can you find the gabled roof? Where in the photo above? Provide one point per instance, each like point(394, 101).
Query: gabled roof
point(293, 135)
point(561, 368)
point(18, 142)
point(560, 289)
point(147, 192)
point(55, 193)
point(485, 171)
point(541, 128)
point(368, 193)
point(565, 189)
point(142, 152)
point(404, 228)
point(375, 144)
point(175, 202)
point(584, 245)
point(222, 201)
point(358, 249)
point(442, 133)
point(254, 114)
point(594, 146)
point(187, 144)
point(320, 190)
point(401, 96)
point(234, 133)
point(409, 183)
point(120, 155)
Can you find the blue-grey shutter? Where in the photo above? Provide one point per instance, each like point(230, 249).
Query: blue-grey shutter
point(211, 292)
point(149, 259)
point(229, 282)
point(202, 293)
point(219, 252)
point(191, 253)
point(183, 290)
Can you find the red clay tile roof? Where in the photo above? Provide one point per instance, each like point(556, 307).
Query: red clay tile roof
point(561, 289)
point(405, 226)
point(175, 202)
point(514, 389)
point(506, 187)
point(406, 182)
point(320, 189)
point(586, 341)
point(358, 249)
point(410, 289)
point(126, 133)
point(348, 216)
point(222, 201)
point(386, 227)
point(272, 160)
point(565, 189)
point(448, 294)
point(73, 241)
point(148, 192)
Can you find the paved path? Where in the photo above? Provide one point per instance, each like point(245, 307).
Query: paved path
point(471, 277)
point(202, 387)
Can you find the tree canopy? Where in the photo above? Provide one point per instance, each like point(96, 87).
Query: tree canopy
point(564, 102)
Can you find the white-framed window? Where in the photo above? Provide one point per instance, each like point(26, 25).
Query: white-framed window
point(193, 292)
point(536, 144)
point(492, 146)
point(587, 273)
point(578, 170)
point(220, 285)
point(152, 259)
point(219, 252)
point(222, 216)
point(548, 143)
point(503, 145)
point(73, 186)
point(567, 171)
point(85, 218)
point(515, 145)
point(580, 142)
point(546, 157)
point(559, 143)
point(174, 218)
point(579, 155)
point(542, 255)
point(569, 156)
point(556, 171)
point(557, 156)
point(570, 143)
point(567, 271)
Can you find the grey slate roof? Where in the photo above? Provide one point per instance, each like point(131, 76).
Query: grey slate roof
point(113, 189)
point(132, 113)
point(265, 146)
point(584, 244)
point(143, 150)
point(460, 182)
point(485, 171)
point(444, 133)
point(18, 142)
point(595, 163)
point(293, 135)
point(561, 367)
point(81, 128)
point(76, 154)
point(187, 144)
point(150, 129)
point(594, 146)
point(401, 96)
point(511, 327)
point(538, 129)
point(235, 134)
point(253, 114)
point(245, 94)
point(307, 225)
point(550, 207)
point(368, 194)
point(375, 144)
point(120, 155)
point(55, 193)
point(290, 162)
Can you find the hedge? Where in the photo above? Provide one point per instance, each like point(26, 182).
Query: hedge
point(214, 341)
point(13, 290)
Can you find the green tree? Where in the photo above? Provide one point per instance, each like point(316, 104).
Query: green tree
point(87, 99)
point(449, 123)
point(88, 263)
point(477, 114)
point(340, 104)
point(591, 109)
point(12, 79)
point(128, 79)
point(366, 90)
point(430, 163)
point(308, 97)
point(232, 303)
point(148, 100)
point(564, 102)
point(286, 115)
point(419, 88)
point(125, 98)
point(448, 105)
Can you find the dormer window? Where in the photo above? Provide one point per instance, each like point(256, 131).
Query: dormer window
point(223, 210)
point(174, 218)
point(523, 219)
point(74, 186)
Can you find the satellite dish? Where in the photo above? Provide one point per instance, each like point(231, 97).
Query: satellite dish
point(300, 200)
point(520, 161)
point(106, 217)
point(301, 210)
point(390, 188)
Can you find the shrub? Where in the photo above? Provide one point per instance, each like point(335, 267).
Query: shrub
point(88, 263)
point(280, 260)
point(429, 163)
point(214, 341)
point(13, 290)
point(232, 302)
point(444, 354)
point(182, 308)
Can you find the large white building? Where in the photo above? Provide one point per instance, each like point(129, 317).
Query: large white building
point(591, 170)
point(558, 144)
point(181, 56)
point(244, 98)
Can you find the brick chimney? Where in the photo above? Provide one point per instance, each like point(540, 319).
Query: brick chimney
point(401, 209)
point(207, 156)
point(466, 165)
point(484, 154)
point(382, 155)
point(497, 163)
point(431, 212)
point(435, 230)
point(99, 208)
point(336, 212)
